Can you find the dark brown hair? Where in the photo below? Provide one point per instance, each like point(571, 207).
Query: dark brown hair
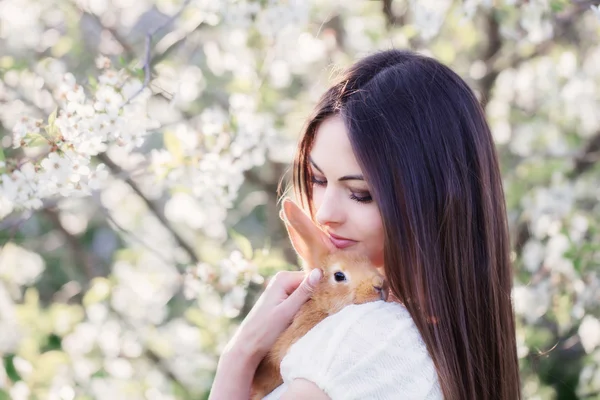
point(421, 139)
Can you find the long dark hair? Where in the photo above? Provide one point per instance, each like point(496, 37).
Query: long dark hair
point(421, 139)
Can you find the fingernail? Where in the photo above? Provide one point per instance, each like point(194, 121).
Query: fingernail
point(314, 277)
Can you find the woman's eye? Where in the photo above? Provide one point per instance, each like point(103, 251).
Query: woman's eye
point(317, 182)
point(363, 198)
point(359, 197)
point(339, 276)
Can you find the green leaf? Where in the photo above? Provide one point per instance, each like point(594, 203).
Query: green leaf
point(196, 317)
point(4, 395)
point(98, 292)
point(557, 5)
point(173, 145)
point(52, 130)
point(52, 342)
point(35, 140)
point(52, 117)
point(10, 369)
point(2, 161)
point(242, 243)
point(92, 81)
point(138, 73)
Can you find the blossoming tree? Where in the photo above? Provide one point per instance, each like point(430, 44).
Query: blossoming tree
point(142, 144)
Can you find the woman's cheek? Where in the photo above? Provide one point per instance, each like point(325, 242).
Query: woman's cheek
point(317, 197)
point(376, 234)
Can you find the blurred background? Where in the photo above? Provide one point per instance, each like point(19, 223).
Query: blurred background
point(142, 143)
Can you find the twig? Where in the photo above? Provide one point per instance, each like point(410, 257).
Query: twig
point(13, 222)
point(148, 56)
point(79, 254)
point(131, 235)
point(590, 155)
point(391, 19)
point(151, 206)
point(153, 356)
point(583, 163)
point(563, 21)
point(114, 33)
point(115, 169)
point(494, 45)
point(43, 113)
point(13, 232)
point(167, 51)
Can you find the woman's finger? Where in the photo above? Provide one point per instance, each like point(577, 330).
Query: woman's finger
point(292, 281)
point(286, 281)
point(302, 293)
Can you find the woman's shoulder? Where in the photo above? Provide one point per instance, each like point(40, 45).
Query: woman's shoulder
point(372, 348)
point(377, 311)
point(379, 321)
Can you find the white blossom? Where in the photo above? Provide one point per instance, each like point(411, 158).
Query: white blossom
point(589, 332)
point(596, 10)
point(25, 131)
point(20, 266)
point(82, 129)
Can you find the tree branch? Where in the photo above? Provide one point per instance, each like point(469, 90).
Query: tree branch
point(563, 21)
point(494, 45)
point(114, 32)
point(583, 163)
point(80, 256)
point(492, 58)
point(148, 57)
point(133, 236)
point(115, 169)
point(391, 19)
point(173, 46)
point(590, 155)
point(83, 258)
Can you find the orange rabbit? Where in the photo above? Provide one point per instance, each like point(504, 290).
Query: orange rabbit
point(347, 279)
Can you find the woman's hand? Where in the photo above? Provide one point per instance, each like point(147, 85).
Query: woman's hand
point(273, 312)
point(270, 316)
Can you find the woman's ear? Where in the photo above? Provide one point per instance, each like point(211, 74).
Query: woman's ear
point(310, 242)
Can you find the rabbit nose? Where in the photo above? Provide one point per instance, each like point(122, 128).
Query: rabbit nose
point(377, 282)
point(383, 292)
point(381, 287)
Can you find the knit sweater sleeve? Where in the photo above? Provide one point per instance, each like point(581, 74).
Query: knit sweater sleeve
point(367, 351)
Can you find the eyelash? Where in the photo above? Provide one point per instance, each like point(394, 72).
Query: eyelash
point(364, 200)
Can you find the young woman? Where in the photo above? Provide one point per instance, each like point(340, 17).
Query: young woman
point(397, 162)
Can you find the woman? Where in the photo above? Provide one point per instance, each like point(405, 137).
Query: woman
point(398, 162)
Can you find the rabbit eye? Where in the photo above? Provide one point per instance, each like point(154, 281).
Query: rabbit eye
point(339, 276)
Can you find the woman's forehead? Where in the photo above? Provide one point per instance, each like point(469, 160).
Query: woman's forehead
point(332, 150)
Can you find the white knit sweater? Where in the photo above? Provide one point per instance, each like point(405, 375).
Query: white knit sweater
point(367, 351)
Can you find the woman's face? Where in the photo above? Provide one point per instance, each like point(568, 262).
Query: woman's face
point(342, 201)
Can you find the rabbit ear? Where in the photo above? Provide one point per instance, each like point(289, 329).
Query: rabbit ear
point(311, 243)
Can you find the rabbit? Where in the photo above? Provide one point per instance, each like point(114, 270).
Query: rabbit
point(348, 278)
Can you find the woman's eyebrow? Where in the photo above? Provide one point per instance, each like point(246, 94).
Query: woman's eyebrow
point(343, 178)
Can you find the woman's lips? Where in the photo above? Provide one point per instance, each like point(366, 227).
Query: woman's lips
point(340, 242)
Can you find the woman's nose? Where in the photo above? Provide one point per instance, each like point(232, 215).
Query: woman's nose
point(330, 211)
